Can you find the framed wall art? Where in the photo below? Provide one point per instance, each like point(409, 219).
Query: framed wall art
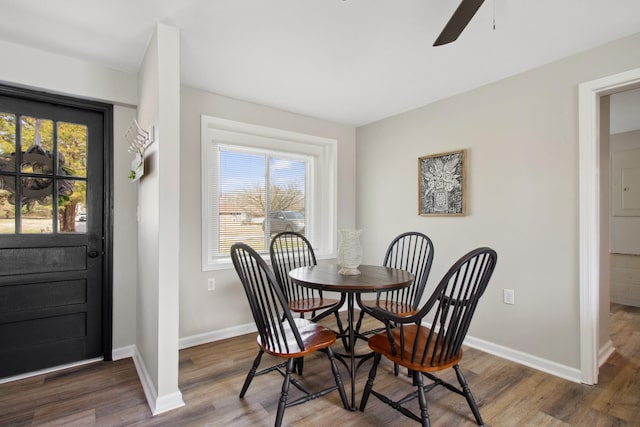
point(442, 184)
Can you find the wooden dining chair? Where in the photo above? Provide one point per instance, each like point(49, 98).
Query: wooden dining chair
point(424, 349)
point(289, 250)
point(413, 252)
point(279, 333)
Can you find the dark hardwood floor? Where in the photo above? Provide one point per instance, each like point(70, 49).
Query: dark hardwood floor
point(211, 375)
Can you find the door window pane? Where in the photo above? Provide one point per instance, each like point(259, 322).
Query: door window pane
point(37, 145)
point(72, 209)
point(72, 149)
point(37, 206)
point(7, 206)
point(7, 164)
point(7, 143)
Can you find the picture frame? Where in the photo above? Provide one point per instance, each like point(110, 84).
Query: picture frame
point(442, 184)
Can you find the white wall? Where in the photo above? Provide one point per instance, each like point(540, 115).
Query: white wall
point(168, 146)
point(522, 139)
point(148, 221)
point(158, 228)
point(204, 312)
point(38, 69)
point(69, 76)
point(125, 257)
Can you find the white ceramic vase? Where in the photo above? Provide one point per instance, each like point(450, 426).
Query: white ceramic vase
point(349, 252)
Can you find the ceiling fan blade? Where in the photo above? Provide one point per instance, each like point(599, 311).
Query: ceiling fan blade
point(458, 21)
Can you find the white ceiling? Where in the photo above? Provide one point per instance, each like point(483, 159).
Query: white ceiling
point(352, 62)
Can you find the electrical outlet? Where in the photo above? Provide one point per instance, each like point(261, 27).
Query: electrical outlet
point(211, 283)
point(508, 296)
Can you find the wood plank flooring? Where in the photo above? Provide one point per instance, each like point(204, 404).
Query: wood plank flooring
point(211, 375)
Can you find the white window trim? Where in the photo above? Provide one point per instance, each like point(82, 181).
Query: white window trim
point(323, 180)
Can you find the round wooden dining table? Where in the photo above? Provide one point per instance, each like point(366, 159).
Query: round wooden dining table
point(372, 278)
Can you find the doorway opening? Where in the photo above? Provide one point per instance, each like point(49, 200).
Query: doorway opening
point(590, 213)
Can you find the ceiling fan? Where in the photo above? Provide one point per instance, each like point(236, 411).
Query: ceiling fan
point(458, 21)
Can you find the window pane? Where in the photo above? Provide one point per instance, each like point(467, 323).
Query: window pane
point(241, 200)
point(72, 149)
point(7, 206)
point(37, 145)
point(7, 142)
point(37, 196)
point(72, 217)
point(286, 195)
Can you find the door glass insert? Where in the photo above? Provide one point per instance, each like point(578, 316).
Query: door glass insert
point(36, 212)
point(7, 143)
point(8, 166)
point(37, 145)
point(72, 161)
point(7, 207)
point(72, 209)
point(52, 175)
point(72, 149)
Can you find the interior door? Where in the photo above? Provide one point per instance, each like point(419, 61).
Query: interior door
point(52, 240)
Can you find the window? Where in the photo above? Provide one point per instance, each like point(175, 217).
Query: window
point(259, 181)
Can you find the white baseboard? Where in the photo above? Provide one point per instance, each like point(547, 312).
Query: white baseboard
point(122, 352)
point(157, 404)
point(221, 334)
point(166, 403)
point(218, 335)
point(604, 352)
point(535, 362)
point(544, 365)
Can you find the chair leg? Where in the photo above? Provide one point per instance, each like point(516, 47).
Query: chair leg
point(369, 386)
point(422, 399)
point(299, 362)
point(299, 365)
point(285, 392)
point(252, 373)
point(341, 330)
point(467, 394)
point(336, 376)
point(396, 370)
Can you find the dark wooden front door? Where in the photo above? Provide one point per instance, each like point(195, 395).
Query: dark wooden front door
point(52, 231)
